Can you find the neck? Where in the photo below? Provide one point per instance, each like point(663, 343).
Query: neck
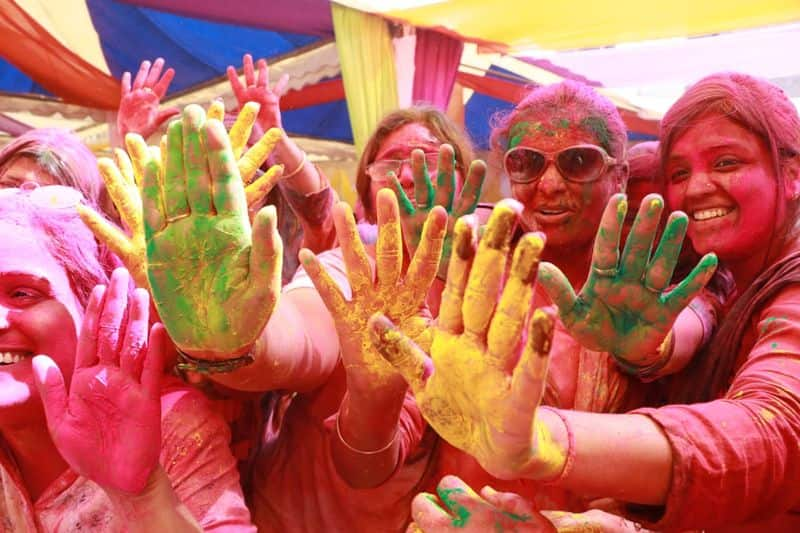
point(36, 456)
point(747, 269)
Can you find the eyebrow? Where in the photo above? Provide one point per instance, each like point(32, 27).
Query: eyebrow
point(27, 276)
point(715, 148)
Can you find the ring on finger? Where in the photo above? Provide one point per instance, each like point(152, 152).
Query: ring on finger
point(605, 272)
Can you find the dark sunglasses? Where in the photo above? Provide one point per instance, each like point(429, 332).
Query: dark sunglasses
point(582, 163)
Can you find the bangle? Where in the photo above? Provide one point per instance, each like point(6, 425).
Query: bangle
point(203, 366)
point(298, 169)
point(570, 459)
point(362, 452)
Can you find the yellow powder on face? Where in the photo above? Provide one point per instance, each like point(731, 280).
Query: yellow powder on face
point(766, 415)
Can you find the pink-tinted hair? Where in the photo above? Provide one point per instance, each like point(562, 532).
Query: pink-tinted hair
point(596, 114)
point(644, 161)
point(754, 103)
point(62, 154)
point(65, 236)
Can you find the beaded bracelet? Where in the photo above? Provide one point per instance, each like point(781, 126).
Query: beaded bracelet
point(203, 366)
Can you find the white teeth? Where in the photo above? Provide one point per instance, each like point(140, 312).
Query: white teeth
point(9, 357)
point(707, 214)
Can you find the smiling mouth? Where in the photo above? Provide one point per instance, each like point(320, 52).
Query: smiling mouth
point(552, 211)
point(10, 358)
point(708, 214)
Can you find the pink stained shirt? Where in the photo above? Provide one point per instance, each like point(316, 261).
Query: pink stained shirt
point(194, 454)
point(736, 460)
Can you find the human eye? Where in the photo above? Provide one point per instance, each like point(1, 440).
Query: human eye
point(678, 174)
point(727, 163)
point(23, 295)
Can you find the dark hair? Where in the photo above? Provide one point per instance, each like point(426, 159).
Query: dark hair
point(434, 120)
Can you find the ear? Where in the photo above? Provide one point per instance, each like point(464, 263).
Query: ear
point(790, 168)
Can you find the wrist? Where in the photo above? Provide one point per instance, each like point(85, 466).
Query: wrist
point(156, 491)
point(368, 422)
point(553, 447)
point(653, 364)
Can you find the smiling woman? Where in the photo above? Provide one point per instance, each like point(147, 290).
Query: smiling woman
point(78, 371)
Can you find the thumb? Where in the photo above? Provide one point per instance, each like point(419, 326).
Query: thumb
point(52, 390)
point(400, 351)
point(557, 287)
point(511, 503)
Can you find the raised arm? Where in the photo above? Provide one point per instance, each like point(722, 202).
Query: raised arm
point(366, 445)
point(216, 280)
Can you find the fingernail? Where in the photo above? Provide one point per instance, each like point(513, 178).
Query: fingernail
point(542, 331)
point(526, 257)
point(498, 231)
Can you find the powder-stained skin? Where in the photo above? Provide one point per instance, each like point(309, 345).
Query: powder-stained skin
point(486, 383)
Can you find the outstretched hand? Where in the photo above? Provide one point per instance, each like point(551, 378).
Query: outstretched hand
point(215, 281)
point(106, 422)
point(399, 297)
point(138, 107)
point(465, 511)
point(123, 177)
point(484, 379)
point(257, 89)
point(413, 214)
point(625, 306)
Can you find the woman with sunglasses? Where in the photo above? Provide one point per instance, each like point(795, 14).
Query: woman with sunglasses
point(93, 435)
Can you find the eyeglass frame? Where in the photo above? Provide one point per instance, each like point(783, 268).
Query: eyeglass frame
point(550, 159)
point(407, 161)
point(67, 197)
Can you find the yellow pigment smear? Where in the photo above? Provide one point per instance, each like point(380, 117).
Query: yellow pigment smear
point(258, 153)
point(242, 127)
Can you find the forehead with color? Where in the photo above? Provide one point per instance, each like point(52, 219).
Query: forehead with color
point(550, 132)
point(22, 250)
point(400, 143)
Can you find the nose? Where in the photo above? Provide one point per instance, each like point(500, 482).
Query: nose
point(552, 181)
point(698, 184)
point(406, 176)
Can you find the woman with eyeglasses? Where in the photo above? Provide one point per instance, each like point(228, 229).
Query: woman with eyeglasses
point(93, 435)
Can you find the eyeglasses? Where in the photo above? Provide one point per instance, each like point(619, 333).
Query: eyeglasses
point(47, 196)
point(582, 163)
point(379, 170)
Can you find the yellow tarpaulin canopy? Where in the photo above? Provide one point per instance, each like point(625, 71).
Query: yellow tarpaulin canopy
point(563, 25)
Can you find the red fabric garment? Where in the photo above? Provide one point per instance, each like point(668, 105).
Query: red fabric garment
point(295, 484)
point(194, 454)
point(736, 459)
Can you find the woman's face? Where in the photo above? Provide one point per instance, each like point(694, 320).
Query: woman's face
point(567, 212)
point(722, 176)
point(25, 169)
point(397, 146)
point(39, 314)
